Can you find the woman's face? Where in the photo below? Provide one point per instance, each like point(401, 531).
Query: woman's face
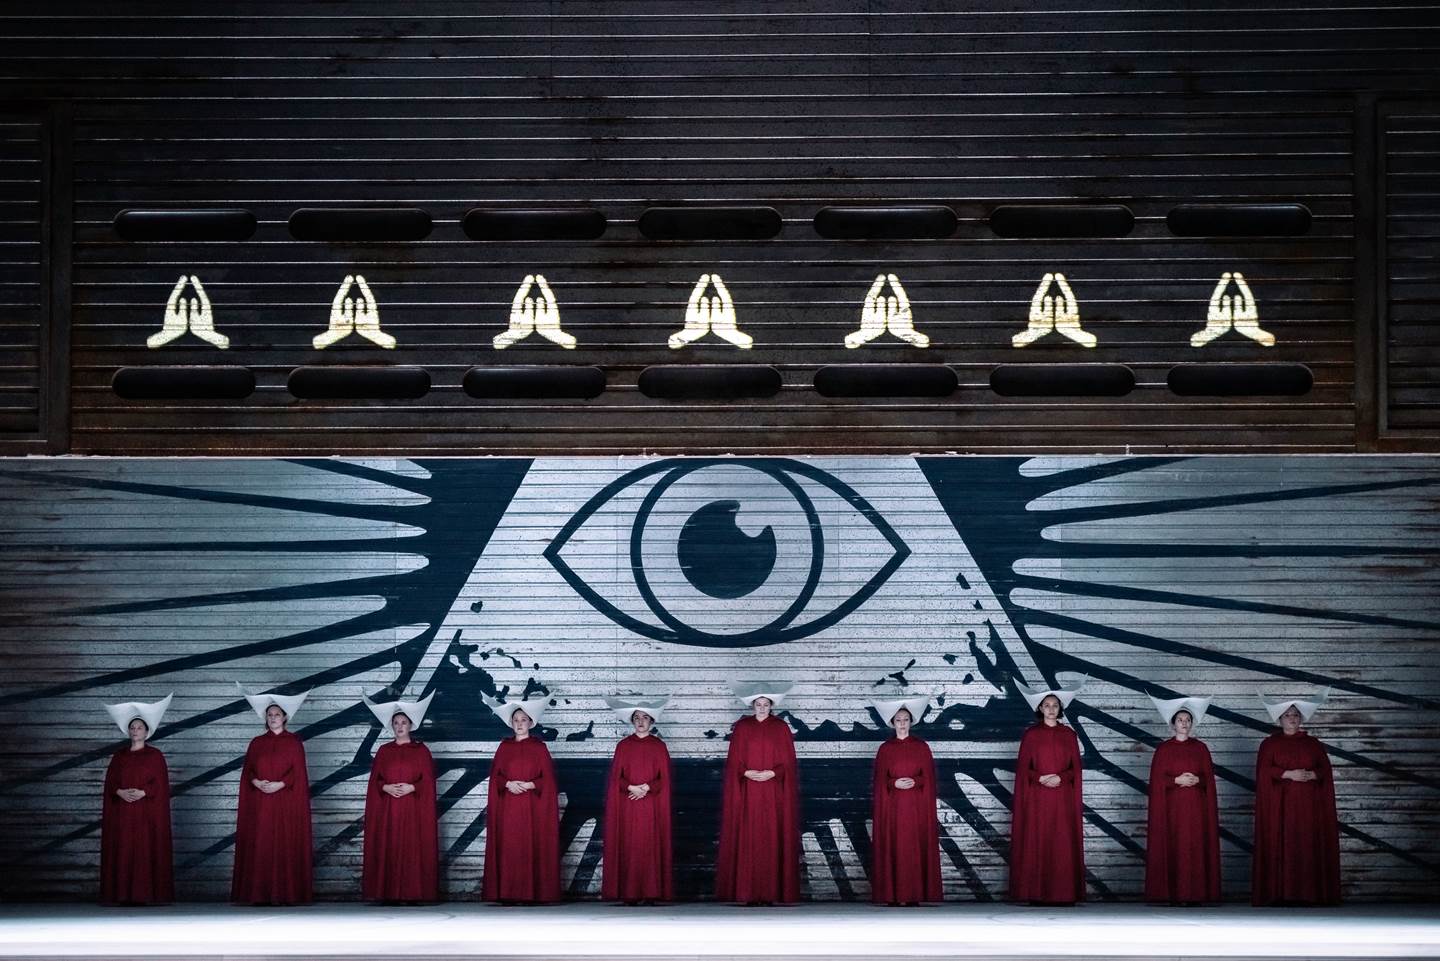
point(139, 731)
point(400, 727)
point(1181, 724)
point(643, 722)
point(1050, 708)
point(274, 719)
point(901, 722)
point(1290, 720)
point(520, 723)
point(761, 706)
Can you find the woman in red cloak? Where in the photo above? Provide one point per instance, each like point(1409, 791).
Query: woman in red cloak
point(136, 860)
point(522, 819)
point(637, 863)
point(402, 848)
point(906, 833)
point(760, 818)
point(1182, 848)
point(1297, 835)
point(1047, 852)
point(273, 848)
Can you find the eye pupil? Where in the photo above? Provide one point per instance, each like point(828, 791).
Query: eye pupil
point(718, 558)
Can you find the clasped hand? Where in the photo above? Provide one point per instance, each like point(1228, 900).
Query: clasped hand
point(398, 790)
point(267, 787)
point(130, 794)
point(760, 775)
point(1187, 779)
point(1050, 780)
point(638, 791)
point(1299, 774)
point(904, 783)
point(519, 787)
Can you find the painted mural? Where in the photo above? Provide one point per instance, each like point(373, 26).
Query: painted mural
point(854, 578)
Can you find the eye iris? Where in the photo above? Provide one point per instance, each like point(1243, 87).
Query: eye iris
point(718, 558)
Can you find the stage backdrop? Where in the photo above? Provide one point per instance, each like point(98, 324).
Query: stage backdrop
point(851, 577)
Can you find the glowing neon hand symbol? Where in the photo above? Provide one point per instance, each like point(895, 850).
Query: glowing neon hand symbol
point(1051, 313)
point(354, 315)
point(1236, 312)
point(704, 315)
point(881, 314)
point(534, 315)
point(192, 314)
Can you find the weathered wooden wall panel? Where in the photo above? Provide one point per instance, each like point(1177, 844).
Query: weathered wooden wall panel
point(1412, 258)
point(22, 308)
point(446, 106)
point(127, 579)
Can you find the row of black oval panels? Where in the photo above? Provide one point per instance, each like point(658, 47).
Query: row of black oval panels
point(369, 224)
point(712, 381)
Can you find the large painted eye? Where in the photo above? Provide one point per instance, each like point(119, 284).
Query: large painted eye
point(724, 554)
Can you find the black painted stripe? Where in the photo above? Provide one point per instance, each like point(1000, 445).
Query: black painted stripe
point(1240, 380)
point(211, 224)
point(353, 224)
point(535, 383)
point(709, 381)
point(710, 223)
point(885, 223)
point(885, 380)
point(1062, 220)
point(1062, 380)
point(359, 383)
point(195, 382)
point(1239, 220)
point(575, 223)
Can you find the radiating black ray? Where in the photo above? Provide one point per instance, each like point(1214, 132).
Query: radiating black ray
point(396, 514)
point(1153, 508)
point(1128, 638)
point(1206, 602)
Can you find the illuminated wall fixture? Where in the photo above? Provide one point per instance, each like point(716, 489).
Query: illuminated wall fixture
point(704, 315)
point(1049, 312)
point(891, 313)
point(534, 315)
point(1236, 312)
point(354, 315)
point(192, 314)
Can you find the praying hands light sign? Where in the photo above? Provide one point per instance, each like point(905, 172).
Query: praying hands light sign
point(1054, 309)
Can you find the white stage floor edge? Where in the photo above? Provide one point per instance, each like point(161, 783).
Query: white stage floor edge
point(711, 932)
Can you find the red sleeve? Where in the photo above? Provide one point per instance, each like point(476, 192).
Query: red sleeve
point(1267, 768)
point(1025, 772)
point(731, 786)
point(1070, 773)
point(926, 782)
point(1324, 774)
point(112, 780)
point(1157, 830)
point(790, 829)
point(247, 770)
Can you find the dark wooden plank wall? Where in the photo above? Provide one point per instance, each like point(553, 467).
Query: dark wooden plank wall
point(1412, 257)
point(447, 105)
point(21, 304)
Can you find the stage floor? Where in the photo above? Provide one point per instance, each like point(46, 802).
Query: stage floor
point(701, 932)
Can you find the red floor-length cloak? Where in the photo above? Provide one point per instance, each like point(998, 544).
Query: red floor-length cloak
point(402, 848)
point(637, 833)
point(273, 849)
point(1047, 852)
point(1182, 848)
point(906, 835)
point(1297, 839)
point(522, 831)
point(760, 820)
point(136, 862)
